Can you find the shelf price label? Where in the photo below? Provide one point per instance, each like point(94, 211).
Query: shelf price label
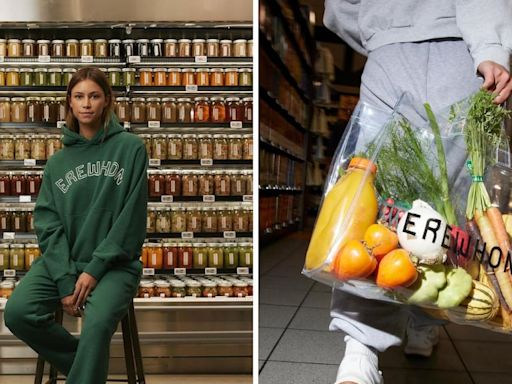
point(9, 273)
point(134, 59)
point(180, 271)
point(167, 198)
point(148, 271)
point(208, 198)
point(235, 124)
point(61, 123)
point(210, 271)
point(87, 59)
point(43, 59)
point(191, 88)
point(229, 234)
point(201, 59)
point(9, 235)
point(25, 199)
point(242, 271)
point(206, 162)
point(247, 198)
point(187, 235)
point(154, 124)
point(154, 162)
point(29, 162)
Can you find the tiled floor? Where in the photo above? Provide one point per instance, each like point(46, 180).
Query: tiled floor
point(297, 348)
point(156, 379)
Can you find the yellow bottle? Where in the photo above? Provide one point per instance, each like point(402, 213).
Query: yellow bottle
point(335, 224)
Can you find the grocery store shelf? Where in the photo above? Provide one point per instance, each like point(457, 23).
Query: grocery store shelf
point(266, 96)
point(207, 199)
point(276, 234)
point(273, 190)
point(8, 235)
point(31, 126)
point(302, 22)
point(142, 90)
point(22, 200)
point(27, 163)
point(143, 128)
point(198, 271)
point(193, 62)
point(60, 62)
point(246, 163)
point(46, 90)
point(197, 235)
point(276, 148)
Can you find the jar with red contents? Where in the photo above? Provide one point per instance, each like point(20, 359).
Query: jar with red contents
point(18, 184)
point(235, 110)
point(218, 110)
point(156, 183)
point(33, 183)
point(170, 255)
point(185, 255)
point(173, 183)
point(201, 110)
point(5, 184)
point(247, 104)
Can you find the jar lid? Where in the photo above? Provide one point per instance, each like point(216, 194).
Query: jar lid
point(114, 41)
point(150, 99)
point(220, 136)
point(146, 70)
point(245, 70)
point(226, 41)
point(48, 98)
point(145, 136)
point(128, 69)
point(6, 136)
point(69, 70)
point(204, 136)
point(41, 70)
point(241, 284)
point(147, 284)
point(189, 136)
point(59, 70)
point(217, 70)
point(85, 41)
point(17, 245)
point(138, 99)
point(202, 70)
point(173, 69)
point(159, 135)
point(159, 69)
point(225, 284)
point(232, 70)
point(71, 41)
point(122, 99)
point(18, 99)
point(217, 98)
point(114, 70)
point(7, 284)
point(157, 40)
point(184, 41)
point(57, 41)
point(201, 98)
point(128, 41)
point(13, 69)
point(188, 70)
point(142, 40)
point(2, 69)
point(2, 40)
point(233, 99)
point(237, 41)
point(32, 246)
point(171, 41)
point(164, 99)
point(100, 40)
point(28, 41)
point(249, 41)
point(162, 284)
point(4, 245)
point(212, 40)
point(209, 284)
point(13, 41)
point(193, 284)
point(177, 284)
point(198, 40)
point(247, 99)
point(33, 98)
point(184, 99)
point(26, 70)
point(168, 244)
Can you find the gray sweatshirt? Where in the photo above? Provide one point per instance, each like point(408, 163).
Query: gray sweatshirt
point(485, 25)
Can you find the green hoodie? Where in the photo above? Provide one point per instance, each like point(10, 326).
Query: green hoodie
point(90, 214)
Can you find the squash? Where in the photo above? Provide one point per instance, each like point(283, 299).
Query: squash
point(481, 304)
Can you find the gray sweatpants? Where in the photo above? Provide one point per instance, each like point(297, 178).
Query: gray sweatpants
point(440, 73)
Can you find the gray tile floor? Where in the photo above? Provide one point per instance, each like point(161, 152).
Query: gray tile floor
point(297, 348)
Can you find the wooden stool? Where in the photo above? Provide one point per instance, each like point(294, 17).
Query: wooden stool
point(132, 354)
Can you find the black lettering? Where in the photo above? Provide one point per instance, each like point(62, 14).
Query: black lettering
point(460, 241)
point(508, 263)
point(432, 229)
point(446, 236)
point(407, 222)
point(492, 259)
point(480, 252)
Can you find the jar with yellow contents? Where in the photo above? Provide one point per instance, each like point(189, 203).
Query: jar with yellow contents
point(17, 257)
point(4, 256)
point(32, 252)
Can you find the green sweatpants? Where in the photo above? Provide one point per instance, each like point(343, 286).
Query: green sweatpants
point(29, 314)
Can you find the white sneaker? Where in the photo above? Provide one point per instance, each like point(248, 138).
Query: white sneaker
point(359, 365)
point(422, 340)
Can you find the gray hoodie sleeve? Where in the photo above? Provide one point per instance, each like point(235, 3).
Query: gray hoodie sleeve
point(341, 17)
point(486, 27)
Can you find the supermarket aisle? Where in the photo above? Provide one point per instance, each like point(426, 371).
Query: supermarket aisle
point(156, 379)
point(297, 348)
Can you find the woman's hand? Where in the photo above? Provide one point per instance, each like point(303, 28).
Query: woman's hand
point(68, 307)
point(496, 79)
point(83, 288)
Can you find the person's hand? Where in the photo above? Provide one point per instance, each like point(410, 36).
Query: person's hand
point(68, 307)
point(83, 288)
point(496, 79)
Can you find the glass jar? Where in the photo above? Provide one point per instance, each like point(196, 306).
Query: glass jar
point(225, 48)
point(247, 142)
point(2, 77)
point(163, 220)
point(18, 183)
point(155, 255)
point(247, 108)
point(203, 77)
point(53, 144)
point(185, 255)
point(6, 147)
point(17, 257)
point(198, 47)
point(146, 289)
point(188, 76)
point(235, 110)
point(215, 255)
point(114, 48)
point(138, 114)
point(240, 220)
point(193, 220)
point(169, 110)
point(240, 289)
point(146, 76)
point(240, 48)
point(153, 109)
point(33, 184)
point(100, 48)
point(209, 220)
point(18, 110)
point(156, 184)
point(184, 110)
point(178, 288)
point(245, 255)
point(220, 147)
point(225, 289)
point(6, 288)
point(201, 110)
point(14, 48)
point(122, 108)
point(50, 109)
point(190, 147)
point(3, 47)
point(184, 48)
point(58, 48)
point(235, 147)
point(43, 47)
point(72, 48)
point(245, 77)
point(238, 184)
point(143, 47)
point(163, 289)
point(4, 257)
point(55, 77)
point(179, 220)
point(159, 147)
point(160, 77)
point(170, 255)
point(206, 184)
point(209, 289)
point(67, 74)
point(175, 147)
point(128, 47)
point(114, 77)
point(5, 219)
point(249, 50)
point(86, 47)
point(38, 147)
point(231, 77)
point(29, 47)
point(218, 110)
point(189, 184)
point(61, 108)
point(129, 76)
point(205, 146)
point(222, 184)
point(173, 183)
point(151, 220)
point(32, 252)
point(194, 287)
point(224, 220)
point(5, 184)
point(12, 77)
point(170, 48)
point(5, 109)
point(231, 255)
point(20, 221)
point(217, 77)
point(174, 77)
point(147, 143)
point(27, 77)
point(41, 77)
point(212, 47)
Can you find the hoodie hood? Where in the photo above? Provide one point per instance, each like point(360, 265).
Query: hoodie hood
point(71, 138)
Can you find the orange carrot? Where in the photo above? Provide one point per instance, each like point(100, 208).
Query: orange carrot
point(498, 226)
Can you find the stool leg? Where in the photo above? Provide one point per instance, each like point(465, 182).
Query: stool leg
point(128, 350)
point(39, 370)
point(136, 345)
